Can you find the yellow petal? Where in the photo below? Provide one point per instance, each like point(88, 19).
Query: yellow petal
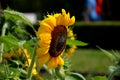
point(42, 51)
point(53, 62)
point(44, 44)
point(61, 61)
point(65, 18)
point(57, 15)
point(12, 53)
point(19, 51)
point(34, 71)
point(26, 53)
point(63, 12)
point(43, 29)
point(58, 19)
point(43, 59)
point(45, 37)
point(47, 27)
point(50, 21)
point(7, 55)
point(71, 21)
point(56, 61)
point(71, 50)
point(68, 15)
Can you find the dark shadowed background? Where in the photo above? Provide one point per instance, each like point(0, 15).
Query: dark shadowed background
point(104, 36)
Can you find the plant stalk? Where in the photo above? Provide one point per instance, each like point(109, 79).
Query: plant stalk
point(29, 75)
point(112, 74)
point(5, 25)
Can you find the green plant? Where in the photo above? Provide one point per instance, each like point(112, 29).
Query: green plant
point(115, 67)
point(18, 58)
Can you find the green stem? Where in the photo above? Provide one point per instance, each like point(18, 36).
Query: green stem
point(29, 76)
point(3, 34)
point(110, 77)
point(33, 29)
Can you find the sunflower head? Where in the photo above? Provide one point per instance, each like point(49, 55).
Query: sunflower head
point(52, 35)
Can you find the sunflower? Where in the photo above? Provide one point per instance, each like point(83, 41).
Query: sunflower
point(52, 35)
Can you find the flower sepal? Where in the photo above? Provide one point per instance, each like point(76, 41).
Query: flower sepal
point(60, 73)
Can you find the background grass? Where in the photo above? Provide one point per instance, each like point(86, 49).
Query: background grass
point(90, 60)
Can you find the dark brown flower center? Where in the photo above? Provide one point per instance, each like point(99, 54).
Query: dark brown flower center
point(58, 41)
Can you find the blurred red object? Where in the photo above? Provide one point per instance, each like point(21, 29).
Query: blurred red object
point(99, 6)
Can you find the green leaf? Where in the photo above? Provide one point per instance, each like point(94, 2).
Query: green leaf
point(100, 78)
point(112, 68)
point(23, 72)
point(113, 73)
point(22, 31)
point(74, 76)
point(18, 16)
point(110, 55)
point(76, 42)
point(30, 44)
point(9, 73)
point(9, 42)
point(17, 62)
point(14, 73)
